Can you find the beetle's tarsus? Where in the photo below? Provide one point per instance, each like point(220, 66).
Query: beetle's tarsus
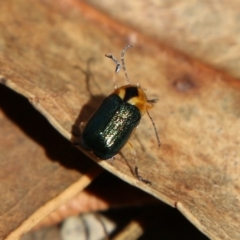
point(141, 178)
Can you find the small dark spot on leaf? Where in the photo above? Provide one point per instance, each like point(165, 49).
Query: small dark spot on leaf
point(187, 187)
point(184, 84)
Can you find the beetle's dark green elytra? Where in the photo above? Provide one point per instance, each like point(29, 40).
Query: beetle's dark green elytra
point(110, 127)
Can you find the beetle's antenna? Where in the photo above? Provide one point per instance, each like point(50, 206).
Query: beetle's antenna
point(123, 63)
point(117, 69)
point(155, 129)
point(118, 65)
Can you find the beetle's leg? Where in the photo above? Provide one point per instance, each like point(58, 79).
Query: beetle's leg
point(135, 170)
point(77, 134)
point(140, 178)
point(82, 125)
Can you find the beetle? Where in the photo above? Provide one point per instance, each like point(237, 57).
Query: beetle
point(112, 124)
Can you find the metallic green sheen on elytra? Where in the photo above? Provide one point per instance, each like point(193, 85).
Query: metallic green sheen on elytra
point(110, 127)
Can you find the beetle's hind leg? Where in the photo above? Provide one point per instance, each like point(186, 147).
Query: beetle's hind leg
point(135, 169)
point(139, 177)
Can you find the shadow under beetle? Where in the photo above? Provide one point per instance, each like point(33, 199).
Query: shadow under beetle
point(111, 126)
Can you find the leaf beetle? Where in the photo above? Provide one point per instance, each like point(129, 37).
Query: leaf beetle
point(112, 124)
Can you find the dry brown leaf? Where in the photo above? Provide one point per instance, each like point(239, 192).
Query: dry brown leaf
point(197, 167)
point(207, 30)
